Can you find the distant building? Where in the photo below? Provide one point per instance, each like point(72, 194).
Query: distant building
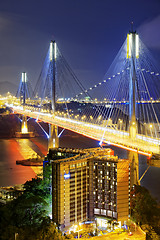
point(10, 193)
point(87, 185)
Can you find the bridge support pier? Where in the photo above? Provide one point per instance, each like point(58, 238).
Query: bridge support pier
point(53, 141)
point(134, 168)
point(24, 133)
point(24, 125)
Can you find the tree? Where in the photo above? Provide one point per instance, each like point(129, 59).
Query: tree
point(144, 208)
point(46, 231)
point(27, 212)
point(151, 234)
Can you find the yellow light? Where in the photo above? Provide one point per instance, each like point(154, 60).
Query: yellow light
point(137, 46)
point(24, 128)
point(129, 45)
point(51, 51)
point(55, 50)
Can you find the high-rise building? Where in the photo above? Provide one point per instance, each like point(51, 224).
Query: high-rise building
point(109, 181)
point(87, 185)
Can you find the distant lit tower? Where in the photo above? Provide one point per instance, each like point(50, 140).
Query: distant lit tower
point(133, 55)
point(23, 91)
point(53, 141)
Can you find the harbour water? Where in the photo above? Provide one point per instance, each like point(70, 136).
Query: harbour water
point(17, 149)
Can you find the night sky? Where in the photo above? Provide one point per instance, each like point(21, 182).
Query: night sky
point(89, 34)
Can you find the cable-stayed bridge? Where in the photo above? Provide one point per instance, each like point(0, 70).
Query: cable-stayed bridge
point(123, 109)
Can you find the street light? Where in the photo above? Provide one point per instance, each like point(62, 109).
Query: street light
point(91, 117)
point(78, 230)
point(120, 123)
point(151, 126)
point(16, 235)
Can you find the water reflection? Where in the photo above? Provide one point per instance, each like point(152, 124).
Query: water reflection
point(17, 149)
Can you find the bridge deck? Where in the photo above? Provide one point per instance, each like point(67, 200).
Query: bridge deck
point(142, 144)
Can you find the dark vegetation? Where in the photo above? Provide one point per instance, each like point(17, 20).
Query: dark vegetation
point(27, 216)
point(145, 211)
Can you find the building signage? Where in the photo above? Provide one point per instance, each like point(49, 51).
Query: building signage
point(67, 175)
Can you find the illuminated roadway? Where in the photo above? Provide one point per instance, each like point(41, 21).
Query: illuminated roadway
point(142, 144)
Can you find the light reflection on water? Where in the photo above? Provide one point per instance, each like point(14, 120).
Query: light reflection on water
point(25, 150)
point(16, 149)
point(12, 150)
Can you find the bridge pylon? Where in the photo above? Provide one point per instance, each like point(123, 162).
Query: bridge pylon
point(23, 94)
point(132, 54)
point(53, 141)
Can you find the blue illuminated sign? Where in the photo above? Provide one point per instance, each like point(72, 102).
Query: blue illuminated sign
point(67, 175)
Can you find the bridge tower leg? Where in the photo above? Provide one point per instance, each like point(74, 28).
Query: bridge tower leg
point(23, 94)
point(24, 125)
point(132, 54)
point(53, 141)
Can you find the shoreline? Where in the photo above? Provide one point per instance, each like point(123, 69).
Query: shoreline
point(31, 162)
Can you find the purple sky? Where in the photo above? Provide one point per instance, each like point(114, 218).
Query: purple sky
point(89, 33)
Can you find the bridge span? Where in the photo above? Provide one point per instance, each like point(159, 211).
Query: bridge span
point(141, 144)
point(130, 116)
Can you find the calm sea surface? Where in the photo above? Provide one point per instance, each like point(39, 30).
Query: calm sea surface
point(18, 149)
